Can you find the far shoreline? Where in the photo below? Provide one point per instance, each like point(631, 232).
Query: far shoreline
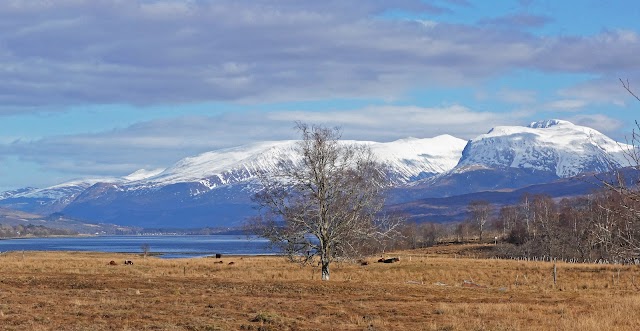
point(51, 236)
point(165, 247)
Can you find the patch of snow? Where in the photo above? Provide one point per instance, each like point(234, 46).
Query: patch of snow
point(143, 174)
point(553, 145)
point(407, 158)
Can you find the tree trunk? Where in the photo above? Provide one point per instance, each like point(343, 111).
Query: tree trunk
point(325, 270)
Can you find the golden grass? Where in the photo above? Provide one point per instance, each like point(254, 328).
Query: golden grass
point(424, 291)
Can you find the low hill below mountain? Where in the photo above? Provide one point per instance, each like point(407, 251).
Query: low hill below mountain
point(14, 218)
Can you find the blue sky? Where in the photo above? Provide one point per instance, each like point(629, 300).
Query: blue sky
point(92, 88)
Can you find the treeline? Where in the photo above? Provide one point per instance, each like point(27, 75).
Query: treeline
point(30, 230)
point(604, 227)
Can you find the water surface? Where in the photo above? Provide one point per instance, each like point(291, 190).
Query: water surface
point(164, 246)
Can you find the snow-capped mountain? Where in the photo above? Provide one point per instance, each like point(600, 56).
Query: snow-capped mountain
point(512, 157)
point(8, 194)
point(221, 167)
point(411, 159)
point(72, 188)
point(215, 188)
point(553, 146)
point(54, 198)
point(219, 177)
point(407, 159)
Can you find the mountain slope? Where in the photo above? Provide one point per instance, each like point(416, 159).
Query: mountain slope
point(550, 146)
point(455, 208)
point(407, 160)
point(511, 157)
point(214, 188)
point(54, 198)
point(57, 221)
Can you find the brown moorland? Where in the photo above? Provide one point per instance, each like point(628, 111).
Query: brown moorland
point(432, 289)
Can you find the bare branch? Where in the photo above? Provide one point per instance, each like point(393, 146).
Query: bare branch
point(627, 87)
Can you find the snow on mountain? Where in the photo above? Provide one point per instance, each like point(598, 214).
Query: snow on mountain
point(222, 167)
point(554, 146)
point(49, 199)
point(407, 159)
point(9, 194)
point(414, 158)
point(65, 190)
point(70, 189)
point(214, 188)
point(143, 174)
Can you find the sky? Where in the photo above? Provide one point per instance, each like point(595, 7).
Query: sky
point(97, 88)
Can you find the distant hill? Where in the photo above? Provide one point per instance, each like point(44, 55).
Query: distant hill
point(454, 208)
point(58, 221)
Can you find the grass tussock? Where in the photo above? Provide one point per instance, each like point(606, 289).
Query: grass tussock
point(433, 289)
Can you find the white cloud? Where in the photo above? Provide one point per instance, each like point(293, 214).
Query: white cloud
point(61, 53)
point(160, 143)
point(516, 96)
point(603, 90)
point(517, 20)
point(567, 104)
point(385, 123)
point(600, 122)
point(607, 52)
point(57, 54)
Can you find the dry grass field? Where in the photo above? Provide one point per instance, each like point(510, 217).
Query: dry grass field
point(426, 290)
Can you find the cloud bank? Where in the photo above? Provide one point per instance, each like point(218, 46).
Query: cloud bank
point(59, 53)
point(159, 143)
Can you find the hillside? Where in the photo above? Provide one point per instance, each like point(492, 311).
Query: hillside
point(11, 217)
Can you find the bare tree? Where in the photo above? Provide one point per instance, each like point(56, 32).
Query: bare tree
point(146, 248)
point(507, 219)
point(327, 204)
point(412, 235)
point(479, 211)
point(544, 224)
point(461, 230)
point(624, 234)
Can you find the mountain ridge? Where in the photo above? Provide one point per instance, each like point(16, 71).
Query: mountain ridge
point(552, 145)
point(214, 188)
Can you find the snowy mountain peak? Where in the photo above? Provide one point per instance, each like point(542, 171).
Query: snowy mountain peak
point(548, 123)
point(553, 146)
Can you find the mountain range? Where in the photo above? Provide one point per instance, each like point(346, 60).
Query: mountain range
point(215, 188)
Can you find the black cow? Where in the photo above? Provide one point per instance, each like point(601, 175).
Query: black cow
point(389, 260)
